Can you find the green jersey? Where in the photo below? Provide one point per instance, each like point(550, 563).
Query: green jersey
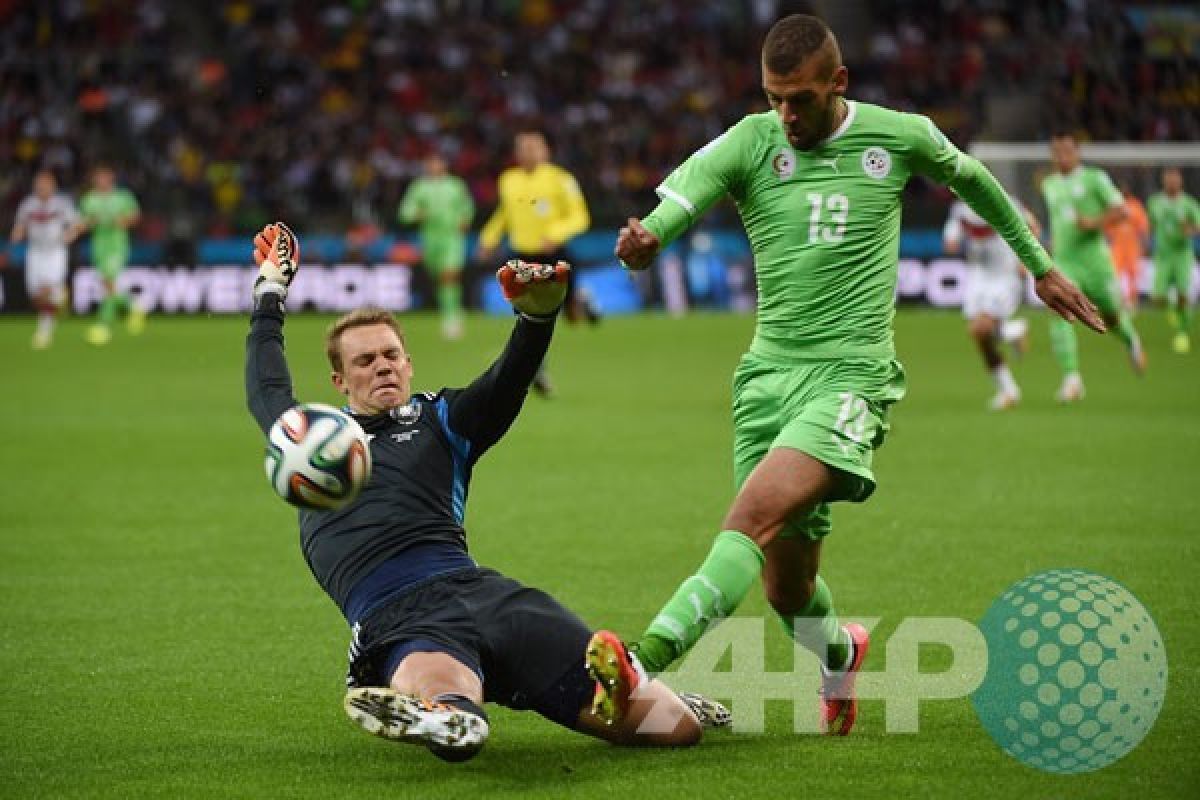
point(1168, 216)
point(440, 205)
point(824, 224)
point(102, 210)
point(1084, 192)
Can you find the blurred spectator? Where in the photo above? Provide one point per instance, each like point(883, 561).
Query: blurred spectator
point(319, 112)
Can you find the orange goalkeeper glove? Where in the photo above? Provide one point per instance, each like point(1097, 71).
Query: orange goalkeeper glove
point(535, 290)
point(277, 254)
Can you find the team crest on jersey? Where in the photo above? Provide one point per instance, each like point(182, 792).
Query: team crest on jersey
point(407, 414)
point(877, 162)
point(784, 164)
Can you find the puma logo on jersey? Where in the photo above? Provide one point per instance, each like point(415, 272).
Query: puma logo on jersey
point(832, 163)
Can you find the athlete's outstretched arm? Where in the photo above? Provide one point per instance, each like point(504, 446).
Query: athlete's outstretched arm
point(268, 382)
point(485, 410)
point(688, 192)
point(982, 192)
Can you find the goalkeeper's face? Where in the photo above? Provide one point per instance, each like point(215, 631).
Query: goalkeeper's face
point(376, 372)
point(807, 99)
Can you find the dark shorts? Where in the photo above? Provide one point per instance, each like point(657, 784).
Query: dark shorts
point(525, 646)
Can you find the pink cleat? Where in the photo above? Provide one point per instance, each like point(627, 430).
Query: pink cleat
point(839, 705)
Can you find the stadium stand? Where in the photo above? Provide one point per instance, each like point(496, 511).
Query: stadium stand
point(320, 112)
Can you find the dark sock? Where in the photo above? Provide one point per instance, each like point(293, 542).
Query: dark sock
point(461, 702)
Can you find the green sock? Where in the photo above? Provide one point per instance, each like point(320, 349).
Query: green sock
point(817, 629)
point(450, 300)
point(716, 589)
point(1183, 319)
point(1064, 344)
point(1125, 330)
point(109, 307)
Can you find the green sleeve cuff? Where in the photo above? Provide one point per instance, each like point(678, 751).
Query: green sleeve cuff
point(982, 192)
point(668, 221)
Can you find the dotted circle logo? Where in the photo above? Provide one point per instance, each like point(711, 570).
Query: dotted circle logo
point(1077, 671)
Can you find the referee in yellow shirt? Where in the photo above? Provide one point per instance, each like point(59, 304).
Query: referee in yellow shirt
point(540, 207)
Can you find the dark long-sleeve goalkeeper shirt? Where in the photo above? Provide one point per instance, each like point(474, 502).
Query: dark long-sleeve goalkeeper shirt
point(407, 524)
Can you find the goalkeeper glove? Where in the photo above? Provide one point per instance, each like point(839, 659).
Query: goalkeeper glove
point(277, 254)
point(535, 290)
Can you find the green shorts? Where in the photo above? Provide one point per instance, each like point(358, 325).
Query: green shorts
point(835, 411)
point(1173, 269)
point(1099, 282)
point(443, 253)
point(111, 264)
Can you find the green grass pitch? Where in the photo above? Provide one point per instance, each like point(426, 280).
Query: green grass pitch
point(162, 636)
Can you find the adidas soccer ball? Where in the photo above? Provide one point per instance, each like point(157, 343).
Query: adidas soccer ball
point(317, 457)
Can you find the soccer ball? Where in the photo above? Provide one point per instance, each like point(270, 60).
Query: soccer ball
point(317, 457)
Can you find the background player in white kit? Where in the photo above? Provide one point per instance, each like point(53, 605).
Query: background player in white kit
point(49, 220)
point(995, 285)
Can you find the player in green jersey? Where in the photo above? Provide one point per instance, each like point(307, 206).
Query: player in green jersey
point(1082, 201)
point(1174, 219)
point(110, 211)
point(818, 182)
point(441, 205)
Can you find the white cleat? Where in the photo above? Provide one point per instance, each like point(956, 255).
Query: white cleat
point(1137, 358)
point(1071, 390)
point(405, 718)
point(42, 340)
point(452, 329)
point(1003, 401)
point(709, 713)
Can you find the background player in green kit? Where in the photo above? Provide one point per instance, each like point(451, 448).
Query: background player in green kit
point(1081, 201)
point(110, 211)
point(1174, 219)
point(818, 183)
point(441, 205)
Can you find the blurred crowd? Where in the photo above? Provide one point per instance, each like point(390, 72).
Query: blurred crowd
point(224, 115)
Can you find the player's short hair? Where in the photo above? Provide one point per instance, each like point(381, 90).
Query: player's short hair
point(1065, 132)
point(359, 318)
point(794, 39)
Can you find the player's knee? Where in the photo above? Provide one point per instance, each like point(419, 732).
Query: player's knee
point(759, 522)
point(789, 598)
point(982, 328)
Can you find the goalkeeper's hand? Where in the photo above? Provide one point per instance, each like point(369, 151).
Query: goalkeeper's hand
point(277, 254)
point(535, 290)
